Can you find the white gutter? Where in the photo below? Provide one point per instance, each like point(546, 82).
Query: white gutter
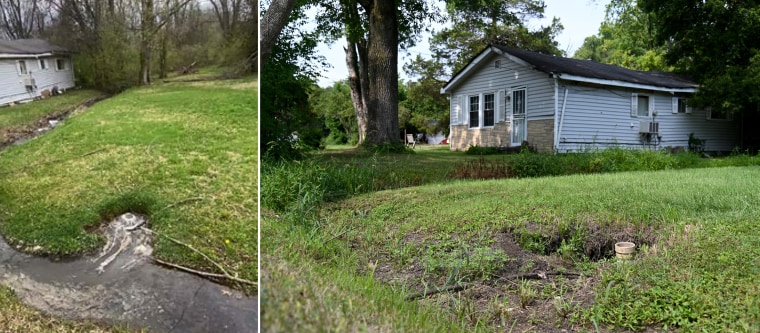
point(25, 56)
point(561, 120)
point(618, 83)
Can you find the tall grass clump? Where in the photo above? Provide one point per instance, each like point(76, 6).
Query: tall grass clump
point(532, 164)
point(298, 187)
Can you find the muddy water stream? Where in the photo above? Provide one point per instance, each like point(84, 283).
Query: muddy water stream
point(120, 285)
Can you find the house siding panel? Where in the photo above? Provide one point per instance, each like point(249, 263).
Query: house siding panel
point(489, 79)
point(600, 118)
point(12, 88)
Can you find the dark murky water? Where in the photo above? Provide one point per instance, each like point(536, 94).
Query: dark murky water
point(121, 286)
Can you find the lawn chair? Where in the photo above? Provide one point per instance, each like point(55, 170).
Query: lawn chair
point(410, 140)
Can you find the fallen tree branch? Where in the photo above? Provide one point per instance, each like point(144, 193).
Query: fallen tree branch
point(426, 293)
point(204, 274)
point(535, 276)
point(181, 202)
point(224, 271)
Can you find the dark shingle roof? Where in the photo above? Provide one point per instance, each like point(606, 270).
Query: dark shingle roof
point(29, 46)
point(591, 69)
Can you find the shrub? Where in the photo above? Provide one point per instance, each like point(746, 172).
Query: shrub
point(478, 150)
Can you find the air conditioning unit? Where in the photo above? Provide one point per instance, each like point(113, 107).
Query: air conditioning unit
point(649, 127)
point(28, 81)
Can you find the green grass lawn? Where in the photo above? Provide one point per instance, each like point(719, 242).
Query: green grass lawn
point(17, 116)
point(695, 269)
point(184, 154)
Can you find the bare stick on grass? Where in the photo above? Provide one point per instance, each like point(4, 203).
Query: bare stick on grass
point(225, 274)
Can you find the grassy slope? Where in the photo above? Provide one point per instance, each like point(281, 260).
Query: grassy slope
point(147, 149)
point(701, 276)
point(29, 113)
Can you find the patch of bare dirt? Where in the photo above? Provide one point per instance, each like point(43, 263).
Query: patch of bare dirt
point(533, 292)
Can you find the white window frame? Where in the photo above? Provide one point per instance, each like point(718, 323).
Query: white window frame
point(22, 68)
point(676, 105)
point(709, 112)
point(493, 109)
point(478, 112)
point(635, 105)
point(42, 64)
point(60, 68)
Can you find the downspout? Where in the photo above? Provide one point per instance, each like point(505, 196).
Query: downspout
point(561, 118)
point(556, 112)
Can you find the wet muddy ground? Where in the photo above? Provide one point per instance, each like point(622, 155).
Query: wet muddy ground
point(120, 285)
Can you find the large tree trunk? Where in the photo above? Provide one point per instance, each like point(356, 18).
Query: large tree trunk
point(272, 23)
point(147, 22)
point(357, 84)
point(383, 73)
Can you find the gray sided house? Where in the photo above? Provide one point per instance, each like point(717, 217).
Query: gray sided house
point(30, 68)
point(505, 96)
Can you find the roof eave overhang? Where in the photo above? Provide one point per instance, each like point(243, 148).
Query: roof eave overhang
point(28, 55)
point(624, 84)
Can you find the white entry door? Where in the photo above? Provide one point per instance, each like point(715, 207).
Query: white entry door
point(519, 124)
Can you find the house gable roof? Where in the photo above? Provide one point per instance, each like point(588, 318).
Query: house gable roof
point(29, 47)
point(582, 71)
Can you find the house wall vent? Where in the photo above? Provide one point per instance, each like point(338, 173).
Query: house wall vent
point(649, 127)
point(28, 81)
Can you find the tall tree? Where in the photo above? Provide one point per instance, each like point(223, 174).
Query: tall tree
point(375, 30)
point(428, 108)
point(22, 18)
point(153, 17)
point(334, 105)
point(276, 17)
point(229, 14)
point(715, 42)
point(626, 38)
point(288, 124)
point(476, 24)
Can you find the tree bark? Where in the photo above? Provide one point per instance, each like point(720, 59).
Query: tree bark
point(272, 23)
point(147, 24)
point(356, 83)
point(383, 73)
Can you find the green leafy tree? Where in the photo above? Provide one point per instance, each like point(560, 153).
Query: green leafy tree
point(626, 38)
point(288, 124)
point(716, 43)
point(428, 108)
point(475, 24)
point(334, 105)
point(375, 30)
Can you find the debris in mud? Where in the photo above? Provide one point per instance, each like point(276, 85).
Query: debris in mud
point(19, 135)
point(124, 237)
point(121, 285)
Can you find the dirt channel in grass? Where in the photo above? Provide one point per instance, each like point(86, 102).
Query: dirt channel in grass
point(120, 285)
point(532, 292)
point(21, 134)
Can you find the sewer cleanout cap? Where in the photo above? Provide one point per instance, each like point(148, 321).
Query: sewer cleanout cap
point(624, 250)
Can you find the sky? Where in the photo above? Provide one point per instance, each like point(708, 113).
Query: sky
point(581, 18)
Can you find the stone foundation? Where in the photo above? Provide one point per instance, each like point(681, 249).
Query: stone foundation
point(540, 136)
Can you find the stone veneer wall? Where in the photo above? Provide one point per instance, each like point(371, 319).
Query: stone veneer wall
point(541, 135)
point(462, 137)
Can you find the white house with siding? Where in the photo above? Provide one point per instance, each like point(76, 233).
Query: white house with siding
point(506, 96)
point(29, 67)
